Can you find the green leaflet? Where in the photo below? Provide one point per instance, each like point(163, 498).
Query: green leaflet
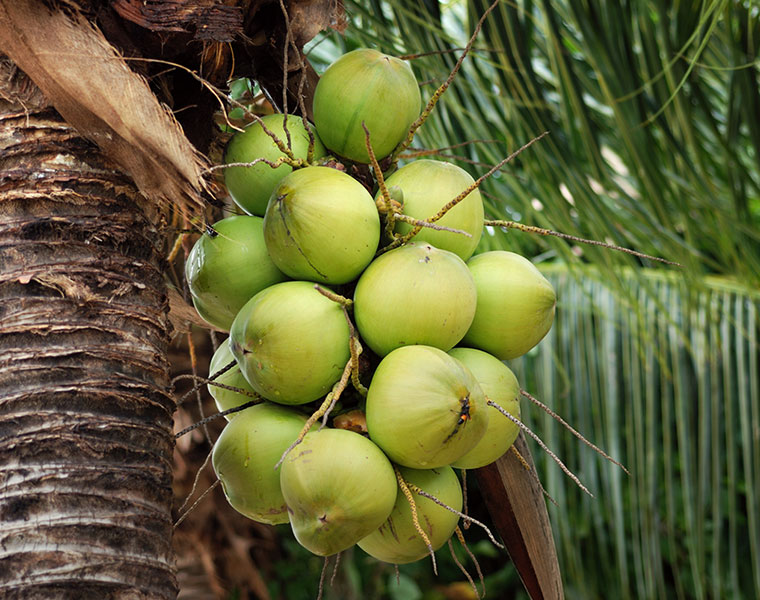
point(671, 390)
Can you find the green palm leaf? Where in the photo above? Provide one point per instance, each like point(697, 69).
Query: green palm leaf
point(684, 420)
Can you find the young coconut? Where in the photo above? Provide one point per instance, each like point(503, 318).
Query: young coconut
point(244, 457)
point(339, 487)
point(515, 307)
point(224, 398)
point(250, 187)
point(291, 342)
point(424, 408)
point(227, 266)
point(415, 294)
point(365, 86)
point(321, 225)
point(427, 185)
point(500, 385)
point(397, 540)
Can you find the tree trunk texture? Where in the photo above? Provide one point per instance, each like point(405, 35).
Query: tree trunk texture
point(85, 401)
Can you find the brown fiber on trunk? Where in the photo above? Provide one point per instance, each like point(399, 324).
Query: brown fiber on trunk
point(85, 406)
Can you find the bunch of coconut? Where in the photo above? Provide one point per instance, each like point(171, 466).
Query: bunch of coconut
point(330, 302)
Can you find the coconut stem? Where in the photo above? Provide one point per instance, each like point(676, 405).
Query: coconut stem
point(464, 571)
point(335, 568)
point(452, 156)
point(195, 482)
point(460, 537)
point(420, 223)
point(572, 238)
point(476, 184)
point(423, 493)
point(198, 397)
point(465, 509)
point(439, 92)
point(297, 162)
point(301, 84)
point(283, 160)
point(285, 56)
point(355, 348)
point(322, 577)
point(533, 474)
point(406, 490)
point(177, 246)
point(197, 502)
point(323, 410)
point(416, 153)
point(519, 457)
point(231, 388)
point(219, 95)
point(337, 390)
point(390, 215)
point(567, 426)
point(197, 386)
point(554, 457)
point(342, 300)
point(215, 416)
point(400, 240)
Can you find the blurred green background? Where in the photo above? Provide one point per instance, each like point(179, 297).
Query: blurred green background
point(653, 111)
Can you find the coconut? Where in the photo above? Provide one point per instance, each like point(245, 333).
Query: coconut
point(415, 294)
point(397, 540)
point(244, 457)
point(515, 307)
point(499, 385)
point(250, 187)
point(339, 487)
point(321, 225)
point(227, 266)
point(424, 408)
point(365, 86)
point(291, 342)
point(427, 186)
point(226, 399)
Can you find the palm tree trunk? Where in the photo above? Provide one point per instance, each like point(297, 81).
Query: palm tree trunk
point(85, 405)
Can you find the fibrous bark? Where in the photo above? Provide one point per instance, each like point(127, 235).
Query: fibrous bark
point(85, 404)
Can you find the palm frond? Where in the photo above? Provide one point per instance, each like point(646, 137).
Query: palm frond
point(653, 111)
point(682, 416)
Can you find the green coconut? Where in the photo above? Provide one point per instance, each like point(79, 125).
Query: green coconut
point(244, 457)
point(427, 186)
point(397, 540)
point(365, 86)
point(515, 307)
point(250, 187)
point(227, 266)
point(226, 399)
point(339, 487)
point(321, 225)
point(291, 342)
point(415, 294)
point(500, 385)
point(424, 408)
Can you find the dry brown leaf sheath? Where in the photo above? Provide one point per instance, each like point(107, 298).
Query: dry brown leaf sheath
point(91, 86)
